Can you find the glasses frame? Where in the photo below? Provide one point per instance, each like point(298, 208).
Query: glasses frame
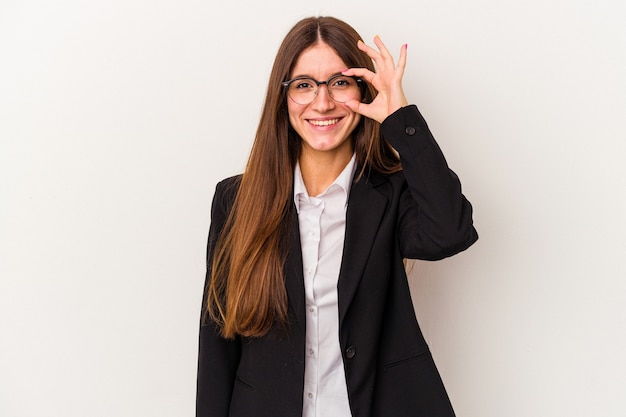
point(286, 84)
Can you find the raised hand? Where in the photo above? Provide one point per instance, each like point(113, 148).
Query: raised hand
point(387, 80)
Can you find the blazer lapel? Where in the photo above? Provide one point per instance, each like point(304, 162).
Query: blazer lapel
point(366, 207)
point(294, 276)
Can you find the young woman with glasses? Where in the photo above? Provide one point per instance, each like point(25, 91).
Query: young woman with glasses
point(307, 310)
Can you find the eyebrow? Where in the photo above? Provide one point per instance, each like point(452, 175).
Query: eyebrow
point(313, 78)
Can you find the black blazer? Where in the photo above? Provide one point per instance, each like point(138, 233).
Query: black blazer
point(418, 213)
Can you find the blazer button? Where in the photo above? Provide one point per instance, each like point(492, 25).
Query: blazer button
point(350, 352)
point(410, 130)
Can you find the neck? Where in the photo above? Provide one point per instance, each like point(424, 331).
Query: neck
point(319, 170)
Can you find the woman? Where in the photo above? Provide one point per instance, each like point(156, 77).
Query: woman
point(307, 310)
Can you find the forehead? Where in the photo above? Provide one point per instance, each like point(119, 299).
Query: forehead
point(319, 61)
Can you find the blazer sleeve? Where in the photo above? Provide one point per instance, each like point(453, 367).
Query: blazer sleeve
point(434, 217)
point(218, 358)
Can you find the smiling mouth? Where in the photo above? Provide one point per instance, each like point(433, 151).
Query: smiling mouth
point(328, 122)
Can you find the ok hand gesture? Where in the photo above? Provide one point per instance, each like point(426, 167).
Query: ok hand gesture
point(387, 80)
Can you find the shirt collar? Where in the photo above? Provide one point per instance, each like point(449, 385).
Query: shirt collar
point(344, 181)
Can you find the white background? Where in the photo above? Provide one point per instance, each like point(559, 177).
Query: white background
point(118, 117)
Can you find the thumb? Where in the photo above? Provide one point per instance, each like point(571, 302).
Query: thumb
point(361, 108)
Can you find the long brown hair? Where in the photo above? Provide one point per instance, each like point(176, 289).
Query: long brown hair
point(246, 294)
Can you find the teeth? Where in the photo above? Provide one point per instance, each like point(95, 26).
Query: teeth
point(323, 122)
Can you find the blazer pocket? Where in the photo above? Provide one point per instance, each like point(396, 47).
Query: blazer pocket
point(244, 384)
point(392, 364)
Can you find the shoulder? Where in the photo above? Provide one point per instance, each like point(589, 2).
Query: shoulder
point(225, 193)
point(230, 183)
point(389, 185)
point(227, 188)
point(375, 179)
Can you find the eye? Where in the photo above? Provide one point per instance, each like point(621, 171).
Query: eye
point(303, 85)
point(343, 82)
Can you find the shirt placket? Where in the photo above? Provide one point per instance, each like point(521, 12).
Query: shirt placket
point(310, 262)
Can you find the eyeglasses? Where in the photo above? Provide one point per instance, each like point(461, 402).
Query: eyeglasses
point(341, 88)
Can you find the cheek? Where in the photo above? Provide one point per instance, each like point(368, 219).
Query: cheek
point(356, 120)
point(353, 124)
point(293, 111)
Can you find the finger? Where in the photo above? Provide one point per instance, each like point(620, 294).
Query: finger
point(382, 48)
point(386, 62)
point(363, 73)
point(358, 107)
point(402, 59)
point(382, 58)
point(371, 52)
point(354, 105)
point(368, 110)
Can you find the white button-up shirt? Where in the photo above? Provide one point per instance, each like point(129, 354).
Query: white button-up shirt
point(322, 222)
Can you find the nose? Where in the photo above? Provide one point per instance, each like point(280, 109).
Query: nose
point(323, 102)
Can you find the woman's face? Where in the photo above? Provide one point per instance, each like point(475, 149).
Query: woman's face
point(324, 125)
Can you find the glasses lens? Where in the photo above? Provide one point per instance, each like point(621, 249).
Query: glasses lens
point(303, 91)
point(342, 88)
